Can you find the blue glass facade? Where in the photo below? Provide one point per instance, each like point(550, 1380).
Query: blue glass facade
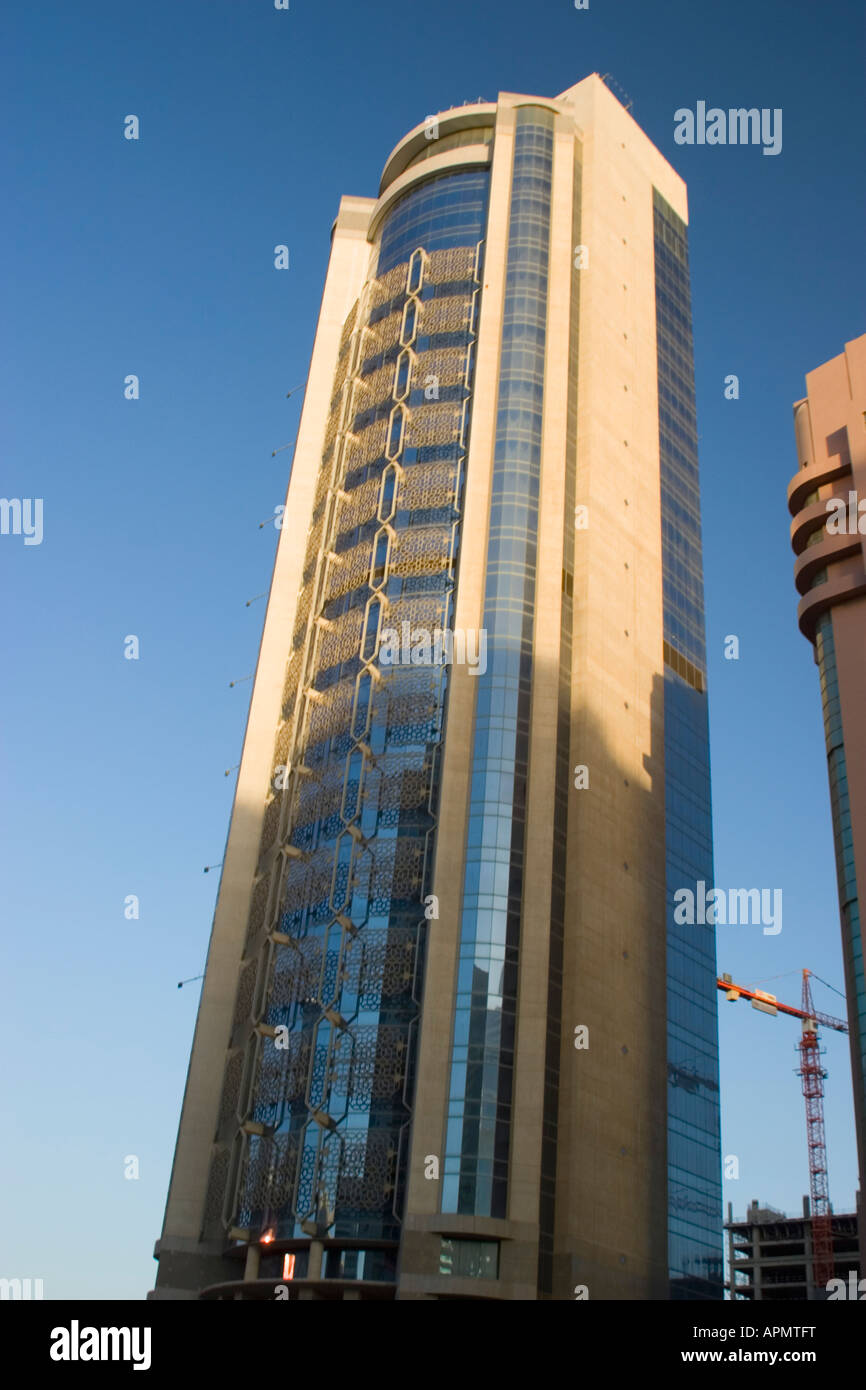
point(441, 213)
point(482, 1059)
point(326, 1105)
point(694, 1144)
point(849, 903)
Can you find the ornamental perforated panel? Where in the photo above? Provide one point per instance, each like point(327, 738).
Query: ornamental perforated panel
point(314, 1121)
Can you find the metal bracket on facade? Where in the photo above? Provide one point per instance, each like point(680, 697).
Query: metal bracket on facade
point(281, 938)
point(292, 852)
point(266, 1030)
point(324, 1120)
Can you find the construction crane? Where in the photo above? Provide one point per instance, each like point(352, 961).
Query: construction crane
point(813, 1076)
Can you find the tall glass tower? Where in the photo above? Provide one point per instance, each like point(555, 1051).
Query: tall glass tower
point(451, 1043)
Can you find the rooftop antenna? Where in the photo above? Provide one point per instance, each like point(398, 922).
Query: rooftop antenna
point(611, 82)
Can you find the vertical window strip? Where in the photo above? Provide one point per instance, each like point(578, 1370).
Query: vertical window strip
point(694, 1146)
point(482, 1058)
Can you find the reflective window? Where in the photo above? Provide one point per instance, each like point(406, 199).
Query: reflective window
point(285, 1267)
point(843, 834)
point(482, 1056)
point(694, 1143)
point(475, 135)
point(415, 276)
point(469, 1259)
point(446, 211)
point(380, 1265)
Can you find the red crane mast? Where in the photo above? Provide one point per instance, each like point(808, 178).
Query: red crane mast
point(813, 1076)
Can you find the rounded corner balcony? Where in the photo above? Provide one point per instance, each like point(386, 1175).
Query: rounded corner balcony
point(810, 519)
point(810, 478)
point(456, 129)
point(819, 583)
point(819, 600)
point(817, 557)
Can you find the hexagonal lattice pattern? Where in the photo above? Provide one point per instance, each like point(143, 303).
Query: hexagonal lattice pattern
point(386, 332)
point(244, 998)
point(420, 550)
point(456, 263)
point(216, 1187)
point(348, 329)
point(368, 445)
point(359, 507)
point(448, 365)
point(268, 1177)
point(296, 975)
point(258, 908)
point(331, 714)
point(342, 641)
point(450, 314)
point(377, 386)
point(388, 285)
point(231, 1087)
point(368, 1171)
point(379, 964)
point(436, 423)
point(413, 707)
point(398, 784)
point(352, 573)
point(426, 611)
point(369, 1063)
point(318, 798)
point(281, 1075)
point(308, 883)
point(428, 486)
point(393, 869)
point(350, 1069)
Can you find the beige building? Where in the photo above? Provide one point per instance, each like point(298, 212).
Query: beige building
point(827, 499)
point(450, 1042)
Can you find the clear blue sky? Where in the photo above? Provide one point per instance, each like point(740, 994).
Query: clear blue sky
point(156, 258)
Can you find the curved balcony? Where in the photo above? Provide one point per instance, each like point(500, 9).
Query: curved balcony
point(447, 162)
point(816, 549)
point(808, 520)
point(818, 557)
point(817, 601)
point(461, 118)
point(815, 476)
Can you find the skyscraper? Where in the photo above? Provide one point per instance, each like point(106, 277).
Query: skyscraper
point(827, 499)
point(451, 1041)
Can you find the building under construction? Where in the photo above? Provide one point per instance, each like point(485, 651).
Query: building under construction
point(771, 1257)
